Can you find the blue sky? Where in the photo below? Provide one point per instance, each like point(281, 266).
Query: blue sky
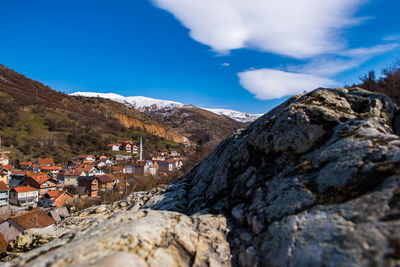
point(245, 55)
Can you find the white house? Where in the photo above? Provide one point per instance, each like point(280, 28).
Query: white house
point(3, 194)
point(150, 167)
point(113, 147)
point(4, 159)
point(24, 195)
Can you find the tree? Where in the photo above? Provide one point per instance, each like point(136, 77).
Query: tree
point(369, 81)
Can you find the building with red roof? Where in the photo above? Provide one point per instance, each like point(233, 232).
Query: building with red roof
point(105, 182)
point(24, 196)
point(42, 182)
point(45, 161)
point(4, 159)
point(15, 225)
point(57, 198)
point(5, 175)
point(4, 194)
point(24, 165)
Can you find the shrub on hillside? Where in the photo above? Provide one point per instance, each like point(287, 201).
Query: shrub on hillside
point(388, 84)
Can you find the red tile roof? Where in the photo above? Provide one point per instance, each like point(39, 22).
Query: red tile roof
point(40, 178)
point(22, 189)
point(25, 163)
point(51, 168)
point(44, 161)
point(27, 173)
point(8, 167)
point(3, 186)
point(55, 194)
point(3, 156)
point(104, 179)
point(33, 219)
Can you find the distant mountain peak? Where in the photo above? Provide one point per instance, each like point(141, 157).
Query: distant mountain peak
point(144, 103)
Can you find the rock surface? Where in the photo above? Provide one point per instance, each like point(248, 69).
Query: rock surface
point(313, 182)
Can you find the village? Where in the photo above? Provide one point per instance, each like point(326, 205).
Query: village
point(39, 193)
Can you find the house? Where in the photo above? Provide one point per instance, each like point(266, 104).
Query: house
point(125, 145)
point(45, 162)
point(59, 213)
point(44, 168)
point(4, 194)
point(5, 175)
point(174, 153)
point(89, 169)
point(113, 147)
point(90, 183)
point(8, 167)
point(52, 169)
point(24, 196)
point(151, 167)
point(86, 158)
point(18, 177)
point(119, 157)
point(25, 165)
point(103, 158)
point(135, 149)
point(82, 191)
point(167, 165)
point(15, 225)
point(70, 177)
point(138, 168)
point(159, 156)
point(42, 182)
point(56, 198)
point(128, 169)
point(4, 159)
point(105, 182)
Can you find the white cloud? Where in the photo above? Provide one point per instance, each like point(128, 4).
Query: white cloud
point(294, 28)
point(367, 51)
point(271, 84)
point(328, 65)
point(225, 64)
point(393, 37)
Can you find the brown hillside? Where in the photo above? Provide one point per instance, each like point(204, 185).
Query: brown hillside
point(36, 120)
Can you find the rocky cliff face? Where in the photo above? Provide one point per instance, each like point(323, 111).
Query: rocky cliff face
point(313, 182)
point(153, 129)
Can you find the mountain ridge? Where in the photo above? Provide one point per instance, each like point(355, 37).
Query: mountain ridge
point(144, 103)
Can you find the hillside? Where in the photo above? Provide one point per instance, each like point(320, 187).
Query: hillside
point(201, 126)
point(38, 121)
point(314, 182)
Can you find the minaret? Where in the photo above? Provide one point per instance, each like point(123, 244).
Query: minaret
point(141, 150)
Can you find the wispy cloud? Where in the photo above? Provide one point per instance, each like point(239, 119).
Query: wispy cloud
point(329, 65)
point(269, 83)
point(299, 29)
point(392, 37)
point(225, 64)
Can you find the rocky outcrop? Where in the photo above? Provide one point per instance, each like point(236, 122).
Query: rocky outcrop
point(313, 182)
point(157, 130)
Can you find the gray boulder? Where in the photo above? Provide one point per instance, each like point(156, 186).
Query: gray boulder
point(313, 182)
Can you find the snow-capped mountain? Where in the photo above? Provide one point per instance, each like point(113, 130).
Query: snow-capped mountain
point(143, 103)
point(235, 115)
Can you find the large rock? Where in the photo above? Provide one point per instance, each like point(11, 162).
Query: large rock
point(313, 182)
